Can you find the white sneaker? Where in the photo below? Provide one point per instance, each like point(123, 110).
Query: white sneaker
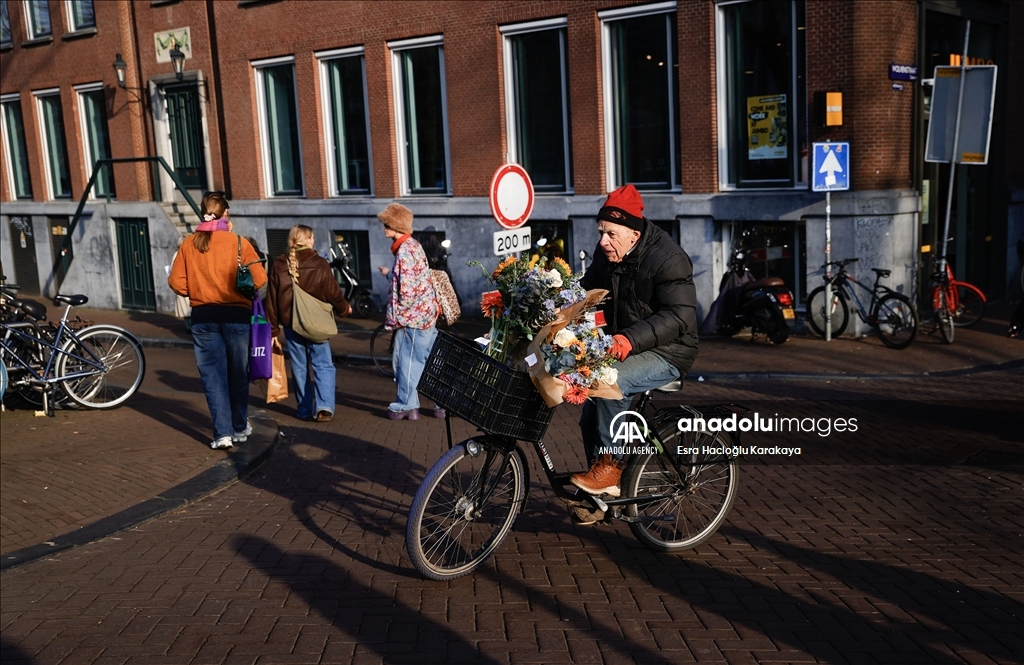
point(222, 443)
point(240, 437)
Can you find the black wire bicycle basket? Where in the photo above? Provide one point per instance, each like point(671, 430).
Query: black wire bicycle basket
point(483, 391)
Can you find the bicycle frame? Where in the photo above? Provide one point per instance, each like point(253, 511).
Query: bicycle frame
point(560, 481)
point(64, 333)
point(841, 283)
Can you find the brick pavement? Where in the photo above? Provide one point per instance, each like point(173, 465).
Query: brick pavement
point(893, 547)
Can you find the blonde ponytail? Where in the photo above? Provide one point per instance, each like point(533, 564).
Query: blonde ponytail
point(300, 237)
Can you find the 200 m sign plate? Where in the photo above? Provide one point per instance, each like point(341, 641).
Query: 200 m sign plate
point(512, 241)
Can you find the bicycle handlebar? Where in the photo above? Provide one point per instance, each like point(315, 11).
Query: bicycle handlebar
point(839, 264)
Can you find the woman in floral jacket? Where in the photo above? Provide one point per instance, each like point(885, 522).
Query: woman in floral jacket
point(412, 311)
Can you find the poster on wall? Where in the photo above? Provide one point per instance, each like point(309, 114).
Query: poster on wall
point(766, 126)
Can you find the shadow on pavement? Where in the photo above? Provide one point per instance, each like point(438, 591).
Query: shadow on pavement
point(12, 655)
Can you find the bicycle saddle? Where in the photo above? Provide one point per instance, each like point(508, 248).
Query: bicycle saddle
point(74, 301)
point(767, 281)
point(881, 272)
point(671, 386)
point(36, 310)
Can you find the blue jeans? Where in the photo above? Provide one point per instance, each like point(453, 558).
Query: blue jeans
point(222, 354)
point(412, 347)
point(642, 372)
point(314, 390)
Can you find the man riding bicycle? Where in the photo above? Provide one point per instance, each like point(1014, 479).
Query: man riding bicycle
point(651, 313)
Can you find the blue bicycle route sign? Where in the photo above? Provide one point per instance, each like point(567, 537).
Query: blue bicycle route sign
point(831, 170)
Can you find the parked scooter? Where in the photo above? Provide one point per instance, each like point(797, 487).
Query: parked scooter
point(763, 305)
point(363, 305)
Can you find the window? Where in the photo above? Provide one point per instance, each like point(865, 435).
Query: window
point(279, 126)
point(537, 102)
point(37, 17)
point(640, 73)
point(95, 137)
point(81, 15)
point(15, 151)
point(55, 153)
point(6, 38)
point(551, 240)
point(760, 65)
point(343, 80)
point(422, 115)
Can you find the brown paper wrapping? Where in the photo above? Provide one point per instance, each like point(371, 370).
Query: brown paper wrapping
point(277, 384)
point(552, 389)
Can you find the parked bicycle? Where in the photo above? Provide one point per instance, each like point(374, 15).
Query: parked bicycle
point(675, 494)
point(954, 303)
point(891, 314)
point(98, 366)
point(382, 345)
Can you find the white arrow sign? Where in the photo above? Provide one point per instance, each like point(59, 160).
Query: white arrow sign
point(830, 167)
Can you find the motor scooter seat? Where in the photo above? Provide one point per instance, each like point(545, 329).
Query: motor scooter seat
point(762, 283)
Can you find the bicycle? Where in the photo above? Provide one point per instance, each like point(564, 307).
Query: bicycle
point(97, 367)
point(891, 314)
point(382, 345)
point(965, 302)
point(675, 494)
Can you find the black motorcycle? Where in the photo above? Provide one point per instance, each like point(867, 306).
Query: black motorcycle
point(763, 305)
point(363, 305)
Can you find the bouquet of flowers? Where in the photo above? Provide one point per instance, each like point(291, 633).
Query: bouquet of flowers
point(571, 359)
point(528, 296)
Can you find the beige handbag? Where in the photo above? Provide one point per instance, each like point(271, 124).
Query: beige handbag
point(311, 318)
point(445, 293)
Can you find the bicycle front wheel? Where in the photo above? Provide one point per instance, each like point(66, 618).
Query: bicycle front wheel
point(897, 321)
point(944, 314)
point(105, 366)
point(840, 314)
point(970, 305)
point(381, 346)
point(685, 498)
point(465, 508)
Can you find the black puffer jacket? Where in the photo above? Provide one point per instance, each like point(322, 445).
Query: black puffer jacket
point(653, 301)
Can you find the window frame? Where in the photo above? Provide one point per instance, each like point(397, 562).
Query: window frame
point(69, 10)
point(12, 185)
point(607, 18)
point(30, 27)
point(45, 138)
point(80, 92)
point(261, 104)
point(396, 48)
point(793, 109)
point(508, 32)
point(324, 58)
point(6, 15)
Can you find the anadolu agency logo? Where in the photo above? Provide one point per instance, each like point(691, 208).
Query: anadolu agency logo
point(629, 434)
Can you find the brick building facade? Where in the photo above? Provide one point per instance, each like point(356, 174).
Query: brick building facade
point(324, 112)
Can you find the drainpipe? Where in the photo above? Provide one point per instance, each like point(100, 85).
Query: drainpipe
point(214, 93)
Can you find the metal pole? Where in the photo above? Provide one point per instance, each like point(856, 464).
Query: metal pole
point(828, 268)
point(941, 267)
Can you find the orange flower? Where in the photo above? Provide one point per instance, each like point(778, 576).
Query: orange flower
point(559, 264)
point(492, 303)
point(584, 371)
point(578, 350)
point(501, 266)
point(575, 394)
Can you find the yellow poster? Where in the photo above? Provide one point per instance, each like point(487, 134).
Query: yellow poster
point(766, 125)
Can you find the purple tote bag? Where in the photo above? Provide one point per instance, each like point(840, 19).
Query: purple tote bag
point(261, 365)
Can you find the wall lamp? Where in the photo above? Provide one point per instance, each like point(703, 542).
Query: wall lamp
point(177, 60)
point(121, 68)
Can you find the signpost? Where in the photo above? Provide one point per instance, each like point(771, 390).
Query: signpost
point(511, 204)
point(831, 172)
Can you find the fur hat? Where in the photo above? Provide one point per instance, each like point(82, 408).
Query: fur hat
point(624, 206)
point(396, 217)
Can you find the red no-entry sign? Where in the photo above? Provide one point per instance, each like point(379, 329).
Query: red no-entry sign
point(511, 196)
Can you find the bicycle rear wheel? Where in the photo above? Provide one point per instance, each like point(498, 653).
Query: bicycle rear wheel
point(123, 367)
point(816, 312)
point(944, 315)
point(382, 344)
point(970, 305)
point(465, 508)
point(685, 497)
point(896, 325)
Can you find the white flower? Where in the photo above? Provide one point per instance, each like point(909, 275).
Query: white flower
point(552, 278)
point(564, 338)
point(609, 375)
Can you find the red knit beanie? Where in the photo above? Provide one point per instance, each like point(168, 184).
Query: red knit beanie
point(624, 206)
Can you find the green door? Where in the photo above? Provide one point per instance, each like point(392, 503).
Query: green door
point(134, 263)
point(186, 135)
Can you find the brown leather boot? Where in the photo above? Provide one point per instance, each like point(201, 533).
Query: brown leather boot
point(603, 477)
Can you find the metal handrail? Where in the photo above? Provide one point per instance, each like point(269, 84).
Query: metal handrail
point(63, 258)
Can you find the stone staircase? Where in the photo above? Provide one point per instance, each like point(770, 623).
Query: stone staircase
point(182, 216)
